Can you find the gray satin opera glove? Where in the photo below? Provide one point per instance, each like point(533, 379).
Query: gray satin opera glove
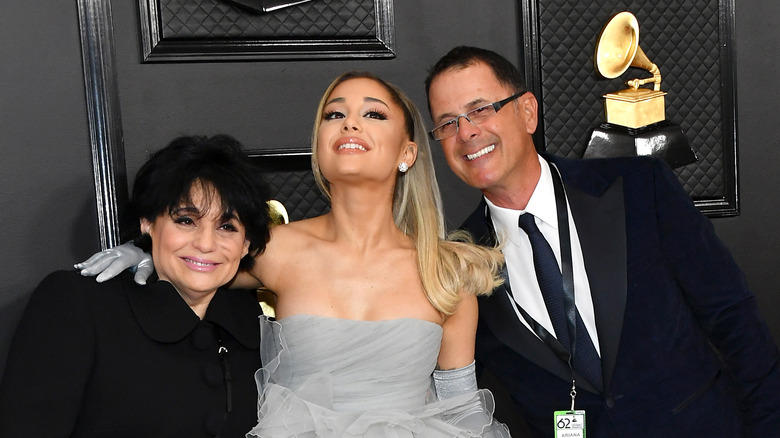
point(451, 383)
point(109, 263)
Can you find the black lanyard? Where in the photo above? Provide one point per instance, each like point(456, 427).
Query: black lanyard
point(567, 272)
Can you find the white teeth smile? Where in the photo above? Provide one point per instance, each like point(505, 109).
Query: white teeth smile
point(481, 152)
point(199, 263)
point(351, 146)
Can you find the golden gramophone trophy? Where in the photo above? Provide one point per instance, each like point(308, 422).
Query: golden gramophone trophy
point(636, 117)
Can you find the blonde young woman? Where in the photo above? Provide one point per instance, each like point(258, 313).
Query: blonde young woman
point(373, 303)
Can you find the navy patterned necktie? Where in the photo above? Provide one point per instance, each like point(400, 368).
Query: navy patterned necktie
point(548, 274)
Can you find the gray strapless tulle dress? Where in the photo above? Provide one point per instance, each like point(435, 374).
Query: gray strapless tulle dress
point(331, 377)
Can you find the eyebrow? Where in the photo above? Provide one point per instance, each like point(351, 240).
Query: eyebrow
point(469, 106)
point(365, 99)
point(185, 210)
point(195, 211)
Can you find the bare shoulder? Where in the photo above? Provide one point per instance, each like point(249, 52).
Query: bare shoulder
point(288, 244)
point(293, 235)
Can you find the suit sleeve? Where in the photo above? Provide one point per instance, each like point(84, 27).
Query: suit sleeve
point(49, 362)
point(722, 304)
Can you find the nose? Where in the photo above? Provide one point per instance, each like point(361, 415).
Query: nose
point(350, 124)
point(205, 239)
point(468, 130)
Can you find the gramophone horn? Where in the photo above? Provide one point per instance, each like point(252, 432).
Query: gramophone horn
point(618, 49)
point(277, 213)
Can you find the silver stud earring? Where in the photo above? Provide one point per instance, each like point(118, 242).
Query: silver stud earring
point(403, 167)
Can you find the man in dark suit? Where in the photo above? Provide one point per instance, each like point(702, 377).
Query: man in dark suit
point(649, 319)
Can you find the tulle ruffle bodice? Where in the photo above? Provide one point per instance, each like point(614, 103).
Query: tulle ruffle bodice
point(331, 377)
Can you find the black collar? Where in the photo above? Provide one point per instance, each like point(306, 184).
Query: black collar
point(165, 317)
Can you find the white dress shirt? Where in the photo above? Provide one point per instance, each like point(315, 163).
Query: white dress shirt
point(519, 257)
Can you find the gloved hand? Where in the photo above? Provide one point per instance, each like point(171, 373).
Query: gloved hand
point(109, 263)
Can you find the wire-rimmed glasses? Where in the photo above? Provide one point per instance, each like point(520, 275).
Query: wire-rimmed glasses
point(475, 116)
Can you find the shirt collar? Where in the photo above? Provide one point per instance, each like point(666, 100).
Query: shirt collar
point(541, 205)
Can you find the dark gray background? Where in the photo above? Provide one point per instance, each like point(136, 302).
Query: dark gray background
point(47, 192)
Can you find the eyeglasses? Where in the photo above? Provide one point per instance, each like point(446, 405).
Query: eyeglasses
point(475, 117)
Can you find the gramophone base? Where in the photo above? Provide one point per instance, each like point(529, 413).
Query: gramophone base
point(635, 109)
point(664, 140)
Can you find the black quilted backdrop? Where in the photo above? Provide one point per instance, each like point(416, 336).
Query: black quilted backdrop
point(225, 30)
point(292, 183)
point(187, 19)
point(682, 37)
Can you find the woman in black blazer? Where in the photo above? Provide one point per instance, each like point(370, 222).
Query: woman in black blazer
point(175, 358)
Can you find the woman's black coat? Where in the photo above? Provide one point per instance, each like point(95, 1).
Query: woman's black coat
point(120, 360)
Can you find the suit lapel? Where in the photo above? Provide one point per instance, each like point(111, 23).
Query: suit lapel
point(498, 312)
point(499, 315)
point(597, 207)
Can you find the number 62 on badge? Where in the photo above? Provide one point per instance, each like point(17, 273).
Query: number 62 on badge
point(569, 424)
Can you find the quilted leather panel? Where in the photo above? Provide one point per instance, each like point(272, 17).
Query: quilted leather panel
point(299, 194)
point(681, 37)
point(198, 19)
point(292, 183)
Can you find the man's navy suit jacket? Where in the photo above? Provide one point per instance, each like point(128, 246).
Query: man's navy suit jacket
point(684, 351)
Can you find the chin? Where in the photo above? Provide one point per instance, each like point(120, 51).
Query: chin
point(203, 286)
point(478, 181)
